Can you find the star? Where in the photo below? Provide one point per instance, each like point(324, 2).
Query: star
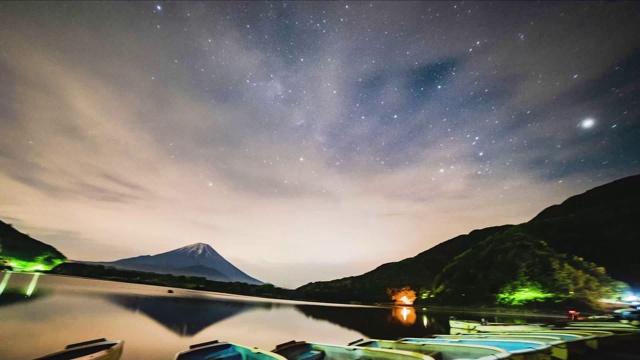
point(587, 123)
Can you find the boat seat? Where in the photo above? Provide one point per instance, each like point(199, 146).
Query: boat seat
point(311, 355)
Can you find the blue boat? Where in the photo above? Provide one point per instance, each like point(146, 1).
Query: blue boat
point(559, 348)
point(529, 350)
point(216, 350)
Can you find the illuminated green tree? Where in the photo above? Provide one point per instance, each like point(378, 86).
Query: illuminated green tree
point(522, 290)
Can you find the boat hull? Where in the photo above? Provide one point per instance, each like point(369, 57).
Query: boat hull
point(559, 348)
point(300, 350)
point(439, 351)
point(99, 349)
point(494, 327)
point(521, 350)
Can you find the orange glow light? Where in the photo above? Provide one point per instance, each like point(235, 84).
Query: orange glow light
point(404, 296)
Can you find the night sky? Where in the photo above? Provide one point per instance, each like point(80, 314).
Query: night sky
point(307, 141)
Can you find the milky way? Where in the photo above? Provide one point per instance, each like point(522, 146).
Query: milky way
point(307, 141)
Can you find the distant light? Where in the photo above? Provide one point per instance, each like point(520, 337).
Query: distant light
point(158, 7)
point(587, 123)
point(631, 298)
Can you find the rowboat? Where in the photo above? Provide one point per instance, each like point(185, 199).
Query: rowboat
point(439, 351)
point(519, 349)
point(603, 324)
point(559, 348)
point(609, 337)
point(225, 351)
point(301, 350)
point(578, 342)
point(494, 327)
point(98, 349)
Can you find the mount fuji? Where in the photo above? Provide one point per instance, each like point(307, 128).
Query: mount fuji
point(192, 260)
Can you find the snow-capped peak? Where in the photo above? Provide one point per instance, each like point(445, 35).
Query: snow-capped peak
point(196, 249)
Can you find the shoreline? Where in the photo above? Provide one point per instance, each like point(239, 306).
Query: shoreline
point(283, 298)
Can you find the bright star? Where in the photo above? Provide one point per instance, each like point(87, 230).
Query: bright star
point(158, 7)
point(587, 123)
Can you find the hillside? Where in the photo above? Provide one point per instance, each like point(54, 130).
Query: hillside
point(601, 226)
point(514, 268)
point(24, 253)
point(418, 272)
point(577, 243)
point(192, 260)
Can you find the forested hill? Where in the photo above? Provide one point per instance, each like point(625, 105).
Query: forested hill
point(602, 226)
point(22, 252)
point(568, 249)
point(418, 272)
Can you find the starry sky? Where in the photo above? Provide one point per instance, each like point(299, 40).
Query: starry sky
point(307, 141)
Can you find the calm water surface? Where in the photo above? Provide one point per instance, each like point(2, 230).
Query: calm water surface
point(155, 324)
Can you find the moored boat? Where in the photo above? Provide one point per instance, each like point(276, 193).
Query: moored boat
point(301, 350)
point(473, 325)
point(225, 351)
point(98, 349)
point(603, 324)
point(559, 348)
point(609, 338)
point(519, 349)
point(578, 341)
point(439, 351)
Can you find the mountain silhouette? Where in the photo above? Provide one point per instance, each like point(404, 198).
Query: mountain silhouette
point(193, 260)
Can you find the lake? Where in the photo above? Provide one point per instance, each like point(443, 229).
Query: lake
point(156, 324)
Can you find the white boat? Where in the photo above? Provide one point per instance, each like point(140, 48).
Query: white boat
point(98, 349)
point(478, 326)
point(439, 351)
point(603, 324)
point(222, 350)
point(300, 350)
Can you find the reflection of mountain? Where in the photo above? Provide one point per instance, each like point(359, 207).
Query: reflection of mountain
point(183, 316)
point(378, 323)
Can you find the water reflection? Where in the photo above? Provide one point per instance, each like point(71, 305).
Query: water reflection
point(14, 297)
point(405, 315)
point(156, 324)
point(183, 316)
point(10, 295)
point(381, 323)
